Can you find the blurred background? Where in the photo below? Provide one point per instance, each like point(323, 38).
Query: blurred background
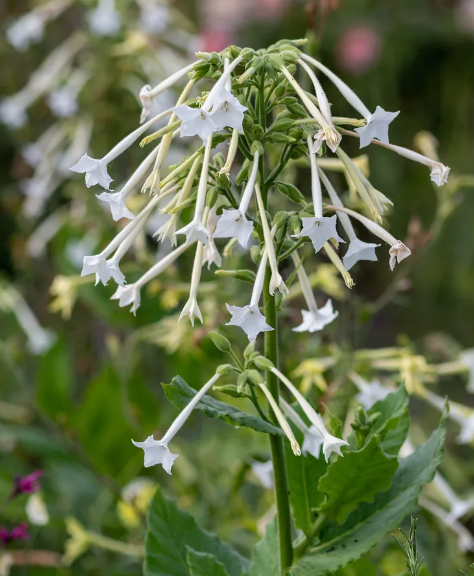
point(79, 376)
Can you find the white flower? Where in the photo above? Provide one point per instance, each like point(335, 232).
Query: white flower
point(398, 250)
point(377, 127)
point(154, 18)
point(6, 562)
point(147, 102)
point(233, 223)
point(467, 358)
point(36, 510)
point(250, 319)
point(117, 205)
point(95, 171)
point(27, 30)
point(439, 174)
point(369, 392)
point(332, 139)
point(357, 251)
point(227, 111)
point(317, 320)
point(264, 472)
point(105, 20)
point(319, 230)
point(457, 508)
point(97, 265)
point(196, 122)
point(191, 309)
point(211, 253)
point(63, 102)
point(312, 438)
point(157, 451)
point(466, 436)
point(330, 443)
point(195, 232)
point(127, 295)
point(12, 114)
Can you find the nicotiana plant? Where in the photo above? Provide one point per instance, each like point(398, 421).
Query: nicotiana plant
point(335, 496)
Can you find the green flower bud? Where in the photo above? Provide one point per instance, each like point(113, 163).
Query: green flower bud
point(229, 389)
point(243, 172)
point(280, 219)
point(223, 179)
point(256, 147)
point(244, 275)
point(257, 132)
point(224, 369)
point(292, 70)
point(234, 51)
point(247, 54)
point(282, 124)
point(253, 356)
point(247, 122)
point(249, 350)
point(289, 56)
point(279, 138)
point(255, 254)
point(281, 88)
point(254, 377)
point(294, 223)
point(241, 382)
point(274, 60)
point(291, 191)
point(297, 110)
point(263, 363)
point(211, 197)
point(220, 342)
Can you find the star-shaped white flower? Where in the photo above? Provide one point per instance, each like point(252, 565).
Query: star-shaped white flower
point(98, 265)
point(234, 224)
point(117, 205)
point(377, 127)
point(157, 452)
point(250, 319)
point(439, 174)
point(211, 255)
point(398, 252)
point(191, 309)
point(154, 18)
point(312, 442)
point(127, 295)
point(227, 111)
point(331, 136)
point(115, 272)
point(63, 102)
point(195, 231)
point(95, 171)
point(105, 20)
point(357, 251)
point(196, 122)
point(315, 321)
point(319, 230)
point(332, 444)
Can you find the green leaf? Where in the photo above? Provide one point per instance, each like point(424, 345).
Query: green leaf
point(304, 473)
point(179, 394)
point(341, 544)
point(266, 554)
point(203, 564)
point(171, 531)
point(356, 478)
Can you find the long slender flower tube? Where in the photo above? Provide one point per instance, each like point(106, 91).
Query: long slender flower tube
point(211, 253)
point(439, 172)
point(312, 438)
point(148, 94)
point(332, 136)
point(357, 250)
point(249, 317)
point(191, 308)
point(276, 281)
point(168, 229)
point(131, 294)
point(196, 230)
point(281, 419)
point(330, 443)
point(314, 319)
point(231, 153)
point(398, 250)
point(157, 451)
point(96, 169)
point(377, 123)
point(320, 228)
point(233, 223)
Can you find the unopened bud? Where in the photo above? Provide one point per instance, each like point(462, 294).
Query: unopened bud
point(224, 369)
point(220, 342)
point(212, 195)
point(254, 377)
point(241, 382)
point(257, 132)
point(243, 172)
point(280, 219)
point(294, 223)
point(244, 275)
point(256, 147)
point(263, 363)
point(249, 350)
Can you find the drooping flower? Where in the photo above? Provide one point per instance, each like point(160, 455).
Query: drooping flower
point(233, 223)
point(398, 250)
point(116, 202)
point(330, 443)
point(377, 123)
point(312, 438)
point(211, 253)
point(29, 29)
point(157, 451)
point(369, 392)
point(315, 318)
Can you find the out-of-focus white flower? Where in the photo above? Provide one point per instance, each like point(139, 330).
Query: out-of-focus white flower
point(264, 472)
point(36, 510)
point(157, 451)
point(467, 358)
point(369, 392)
point(458, 508)
point(116, 202)
point(49, 227)
point(6, 562)
point(27, 30)
point(12, 113)
point(63, 101)
point(463, 415)
point(154, 17)
point(105, 19)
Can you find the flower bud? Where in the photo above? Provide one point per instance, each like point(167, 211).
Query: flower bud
point(279, 138)
point(280, 219)
point(297, 110)
point(247, 122)
point(241, 382)
point(234, 51)
point(256, 147)
point(294, 223)
point(257, 132)
point(249, 350)
point(243, 172)
point(223, 179)
point(255, 253)
point(274, 60)
point(244, 275)
point(289, 56)
point(229, 389)
point(224, 369)
point(282, 124)
point(220, 342)
point(263, 363)
point(247, 54)
point(280, 89)
point(254, 377)
point(292, 192)
point(212, 195)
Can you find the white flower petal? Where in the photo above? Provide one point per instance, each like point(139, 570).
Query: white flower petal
point(357, 251)
point(319, 230)
point(196, 122)
point(95, 171)
point(313, 440)
point(227, 111)
point(234, 224)
point(156, 452)
point(195, 231)
point(250, 319)
point(377, 127)
point(117, 206)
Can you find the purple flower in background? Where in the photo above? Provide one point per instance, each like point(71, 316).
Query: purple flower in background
point(27, 484)
point(19, 532)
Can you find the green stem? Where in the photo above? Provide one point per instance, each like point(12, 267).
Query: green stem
point(316, 528)
point(290, 251)
point(256, 403)
point(115, 545)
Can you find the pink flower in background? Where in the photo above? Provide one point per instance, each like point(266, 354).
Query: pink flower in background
point(27, 484)
point(214, 39)
point(270, 9)
point(19, 532)
point(359, 49)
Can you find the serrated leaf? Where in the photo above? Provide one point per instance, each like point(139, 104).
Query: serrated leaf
point(266, 554)
point(203, 564)
point(171, 531)
point(341, 544)
point(179, 393)
point(356, 478)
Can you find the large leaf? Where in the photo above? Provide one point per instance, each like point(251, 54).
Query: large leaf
point(179, 394)
point(265, 554)
point(341, 544)
point(203, 564)
point(171, 532)
point(304, 473)
point(356, 478)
